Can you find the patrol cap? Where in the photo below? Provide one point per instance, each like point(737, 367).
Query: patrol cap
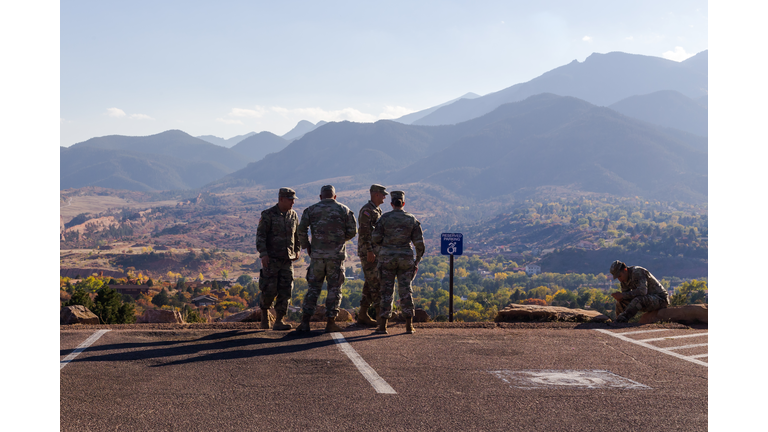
point(616, 268)
point(397, 196)
point(379, 188)
point(328, 188)
point(287, 193)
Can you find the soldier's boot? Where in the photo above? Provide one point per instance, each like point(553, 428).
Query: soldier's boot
point(304, 326)
point(382, 328)
point(362, 315)
point(331, 326)
point(409, 325)
point(279, 324)
point(264, 318)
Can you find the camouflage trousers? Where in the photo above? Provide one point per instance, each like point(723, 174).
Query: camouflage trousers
point(647, 303)
point(276, 285)
point(372, 286)
point(402, 269)
point(332, 272)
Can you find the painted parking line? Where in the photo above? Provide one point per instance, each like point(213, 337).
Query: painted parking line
point(644, 331)
point(80, 348)
point(368, 372)
point(686, 346)
point(667, 351)
point(672, 337)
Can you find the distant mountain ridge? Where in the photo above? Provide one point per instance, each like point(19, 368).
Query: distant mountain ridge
point(667, 108)
point(255, 147)
point(302, 127)
point(412, 117)
point(602, 79)
point(545, 140)
point(228, 143)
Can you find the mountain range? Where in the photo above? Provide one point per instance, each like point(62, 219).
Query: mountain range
point(545, 140)
point(616, 123)
point(602, 79)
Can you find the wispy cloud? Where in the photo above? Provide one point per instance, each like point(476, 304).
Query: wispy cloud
point(118, 113)
point(677, 55)
point(587, 38)
point(243, 112)
point(115, 112)
point(393, 112)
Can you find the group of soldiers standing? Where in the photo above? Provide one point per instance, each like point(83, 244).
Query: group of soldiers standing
point(384, 247)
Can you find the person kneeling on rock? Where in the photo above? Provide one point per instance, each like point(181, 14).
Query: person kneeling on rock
point(640, 291)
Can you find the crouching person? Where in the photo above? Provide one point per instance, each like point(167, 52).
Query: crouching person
point(640, 291)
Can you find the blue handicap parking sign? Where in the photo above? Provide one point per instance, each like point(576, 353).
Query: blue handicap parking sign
point(451, 243)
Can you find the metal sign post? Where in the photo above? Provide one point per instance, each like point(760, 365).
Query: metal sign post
point(451, 244)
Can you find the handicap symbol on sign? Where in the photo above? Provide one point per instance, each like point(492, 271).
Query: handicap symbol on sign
point(451, 248)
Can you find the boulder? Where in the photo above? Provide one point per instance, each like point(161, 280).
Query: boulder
point(419, 316)
point(343, 316)
point(250, 315)
point(688, 314)
point(517, 312)
point(160, 316)
point(77, 314)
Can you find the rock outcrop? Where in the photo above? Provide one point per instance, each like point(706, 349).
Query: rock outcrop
point(517, 312)
point(419, 316)
point(77, 314)
point(160, 316)
point(688, 314)
point(250, 315)
point(343, 316)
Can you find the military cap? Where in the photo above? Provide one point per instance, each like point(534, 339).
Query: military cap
point(616, 268)
point(379, 188)
point(287, 193)
point(327, 188)
point(397, 196)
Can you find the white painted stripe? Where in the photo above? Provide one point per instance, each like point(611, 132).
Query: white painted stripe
point(644, 331)
point(80, 348)
point(686, 346)
point(699, 356)
point(673, 337)
point(655, 348)
point(376, 381)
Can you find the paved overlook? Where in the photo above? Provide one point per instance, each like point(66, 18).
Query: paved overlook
point(457, 376)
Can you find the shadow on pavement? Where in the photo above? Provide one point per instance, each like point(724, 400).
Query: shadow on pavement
point(225, 346)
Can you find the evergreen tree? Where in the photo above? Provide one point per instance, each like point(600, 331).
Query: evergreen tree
point(80, 297)
point(161, 299)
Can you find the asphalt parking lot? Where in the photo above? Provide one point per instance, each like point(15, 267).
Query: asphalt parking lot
point(569, 378)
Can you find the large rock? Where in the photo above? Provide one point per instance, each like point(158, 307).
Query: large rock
point(517, 312)
point(250, 315)
point(343, 316)
point(419, 316)
point(688, 314)
point(160, 316)
point(77, 314)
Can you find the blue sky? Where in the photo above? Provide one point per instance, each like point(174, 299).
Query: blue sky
point(229, 68)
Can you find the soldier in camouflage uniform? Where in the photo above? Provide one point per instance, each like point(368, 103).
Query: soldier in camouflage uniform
point(277, 241)
point(332, 225)
point(640, 291)
point(368, 253)
point(395, 232)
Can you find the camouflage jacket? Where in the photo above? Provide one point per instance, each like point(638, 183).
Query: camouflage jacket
point(369, 215)
point(395, 232)
point(332, 225)
point(641, 282)
point(277, 235)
